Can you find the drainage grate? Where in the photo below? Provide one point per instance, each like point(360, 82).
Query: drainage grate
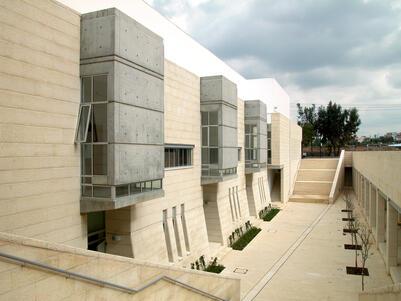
point(240, 270)
point(272, 230)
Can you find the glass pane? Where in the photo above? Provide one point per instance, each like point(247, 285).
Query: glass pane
point(148, 185)
point(157, 184)
point(166, 157)
point(205, 156)
point(204, 136)
point(86, 89)
point(247, 128)
point(254, 141)
point(100, 122)
point(247, 156)
point(101, 191)
point(254, 129)
point(213, 118)
point(135, 188)
point(82, 130)
point(177, 157)
point(185, 157)
point(204, 118)
point(121, 190)
point(214, 155)
point(213, 136)
point(100, 159)
point(100, 88)
point(172, 158)
point(86, 180)
point(86, 190)
point(86, 158)
point(182, 163)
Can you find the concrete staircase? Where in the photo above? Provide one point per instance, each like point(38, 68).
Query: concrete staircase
point(314, 180)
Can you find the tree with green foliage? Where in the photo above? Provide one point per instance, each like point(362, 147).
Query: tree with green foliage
point(307, 117)
point(333, 125)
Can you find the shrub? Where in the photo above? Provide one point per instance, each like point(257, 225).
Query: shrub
point(214, 267)
point(245, 239)
point(269, 215)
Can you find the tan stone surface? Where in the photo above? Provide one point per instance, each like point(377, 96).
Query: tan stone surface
point(382, 169)
point(286, 150)
point(316, 269)
point(39, 97)
point(141, 224)
point(26, 283)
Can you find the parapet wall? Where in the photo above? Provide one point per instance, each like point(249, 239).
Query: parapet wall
point(17, 283)
point(383, 169)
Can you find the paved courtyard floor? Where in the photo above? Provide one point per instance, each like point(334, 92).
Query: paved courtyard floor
point(300, 255)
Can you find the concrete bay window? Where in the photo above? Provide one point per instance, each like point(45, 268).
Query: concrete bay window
point(218, 129)
point(255, 136)
point(121, 122)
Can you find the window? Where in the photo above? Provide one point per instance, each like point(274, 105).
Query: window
point(83, 123)
point(176, 233)
point(177, 157)
point(167, 236)
point(210, 137)
point(251, 142)
point(184, 227)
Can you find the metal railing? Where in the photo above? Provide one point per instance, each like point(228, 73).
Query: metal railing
point(68, 274)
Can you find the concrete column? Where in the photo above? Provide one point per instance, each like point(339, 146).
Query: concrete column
point(380, 225)
point(391, 237)
point(372, 215)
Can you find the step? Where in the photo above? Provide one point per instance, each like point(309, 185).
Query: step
point(319, 163)
point(316, 174)
point(311, 198)
point(313, 187)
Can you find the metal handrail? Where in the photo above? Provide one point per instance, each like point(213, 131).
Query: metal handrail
point(77, 276)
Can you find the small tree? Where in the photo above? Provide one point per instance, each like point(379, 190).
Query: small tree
point(364, 234)
point(354, 226)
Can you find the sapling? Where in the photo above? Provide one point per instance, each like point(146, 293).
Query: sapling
point(364, 234)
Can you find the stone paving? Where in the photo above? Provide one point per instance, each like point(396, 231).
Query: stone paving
point(300, 255)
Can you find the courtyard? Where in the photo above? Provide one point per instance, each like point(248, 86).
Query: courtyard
point(300, 255)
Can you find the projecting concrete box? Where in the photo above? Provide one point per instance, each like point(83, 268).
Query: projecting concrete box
point(110, 32)
point(255, 136)
point(132, 58)
point(219, 95)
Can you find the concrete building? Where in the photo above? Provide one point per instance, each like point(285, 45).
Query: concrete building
point(108, 144)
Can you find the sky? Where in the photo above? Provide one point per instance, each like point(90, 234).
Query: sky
point(347, 51)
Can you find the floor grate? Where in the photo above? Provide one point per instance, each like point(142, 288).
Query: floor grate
point(240, 270)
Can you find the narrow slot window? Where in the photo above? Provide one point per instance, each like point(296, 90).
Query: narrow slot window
point(239, 206)
point(176, 233)
point(235, 203)
point(184, 228)
point(231, 205)
point(167, 236)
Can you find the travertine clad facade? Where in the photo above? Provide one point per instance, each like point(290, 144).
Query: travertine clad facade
point(376, 177)
point(39, 101)
point(286, 151)
point(105, 145)
point(182, 186)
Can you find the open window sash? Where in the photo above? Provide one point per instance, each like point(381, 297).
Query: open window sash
point(83, 123)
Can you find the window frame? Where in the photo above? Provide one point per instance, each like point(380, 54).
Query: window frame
point(78, 127)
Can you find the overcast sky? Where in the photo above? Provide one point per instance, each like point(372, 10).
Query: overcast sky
point(348, 51)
